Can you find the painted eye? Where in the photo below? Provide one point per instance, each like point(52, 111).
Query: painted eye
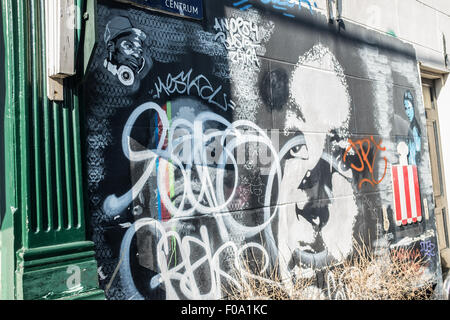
point(341, 165)
point(307, 181)
point(126, 45)
point(299, 151)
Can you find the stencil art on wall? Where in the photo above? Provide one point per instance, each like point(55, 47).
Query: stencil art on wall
point(245, 135)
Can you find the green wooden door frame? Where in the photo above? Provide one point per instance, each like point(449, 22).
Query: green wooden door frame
point(44, 252)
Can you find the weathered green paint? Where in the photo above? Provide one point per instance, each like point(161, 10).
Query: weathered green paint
point(56, 272)
point(43, 231)
point(60, 157)
point(47, 133)
point(36, 84)
point(91, 295)
point(90, 33)
point(11, 236)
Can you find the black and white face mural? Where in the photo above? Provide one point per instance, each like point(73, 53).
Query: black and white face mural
point(318, 229)
point(253, 131)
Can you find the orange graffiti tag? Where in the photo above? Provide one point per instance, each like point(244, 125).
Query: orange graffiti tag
point(362, 149)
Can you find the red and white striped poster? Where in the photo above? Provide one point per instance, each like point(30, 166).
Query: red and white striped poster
point(407, 204)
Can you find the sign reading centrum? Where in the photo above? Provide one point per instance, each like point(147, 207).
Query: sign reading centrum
point(186, 8)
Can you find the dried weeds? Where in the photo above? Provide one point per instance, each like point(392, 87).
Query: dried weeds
point(397, 274)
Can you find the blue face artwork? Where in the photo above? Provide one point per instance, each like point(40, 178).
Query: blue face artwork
point(409, 109)
point(414, 142)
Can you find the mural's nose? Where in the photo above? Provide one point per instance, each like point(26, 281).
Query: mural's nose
point(316, 221)
point(137, 54)
point(316, 213)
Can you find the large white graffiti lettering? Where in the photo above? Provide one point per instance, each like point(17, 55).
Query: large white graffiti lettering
point(186, 270)
point(211, 198)
point(241, 39)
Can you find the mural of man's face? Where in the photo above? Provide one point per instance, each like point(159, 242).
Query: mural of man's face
point(127, 50)
point(318, 211)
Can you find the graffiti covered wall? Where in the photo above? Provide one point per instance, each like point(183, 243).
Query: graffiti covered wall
point(261, 129)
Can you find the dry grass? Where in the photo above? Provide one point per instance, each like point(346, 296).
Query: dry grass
point(254, 282)
point(394, 275)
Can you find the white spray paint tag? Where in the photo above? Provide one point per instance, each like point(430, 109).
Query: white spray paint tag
point(425, 208)
point(385, 219)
